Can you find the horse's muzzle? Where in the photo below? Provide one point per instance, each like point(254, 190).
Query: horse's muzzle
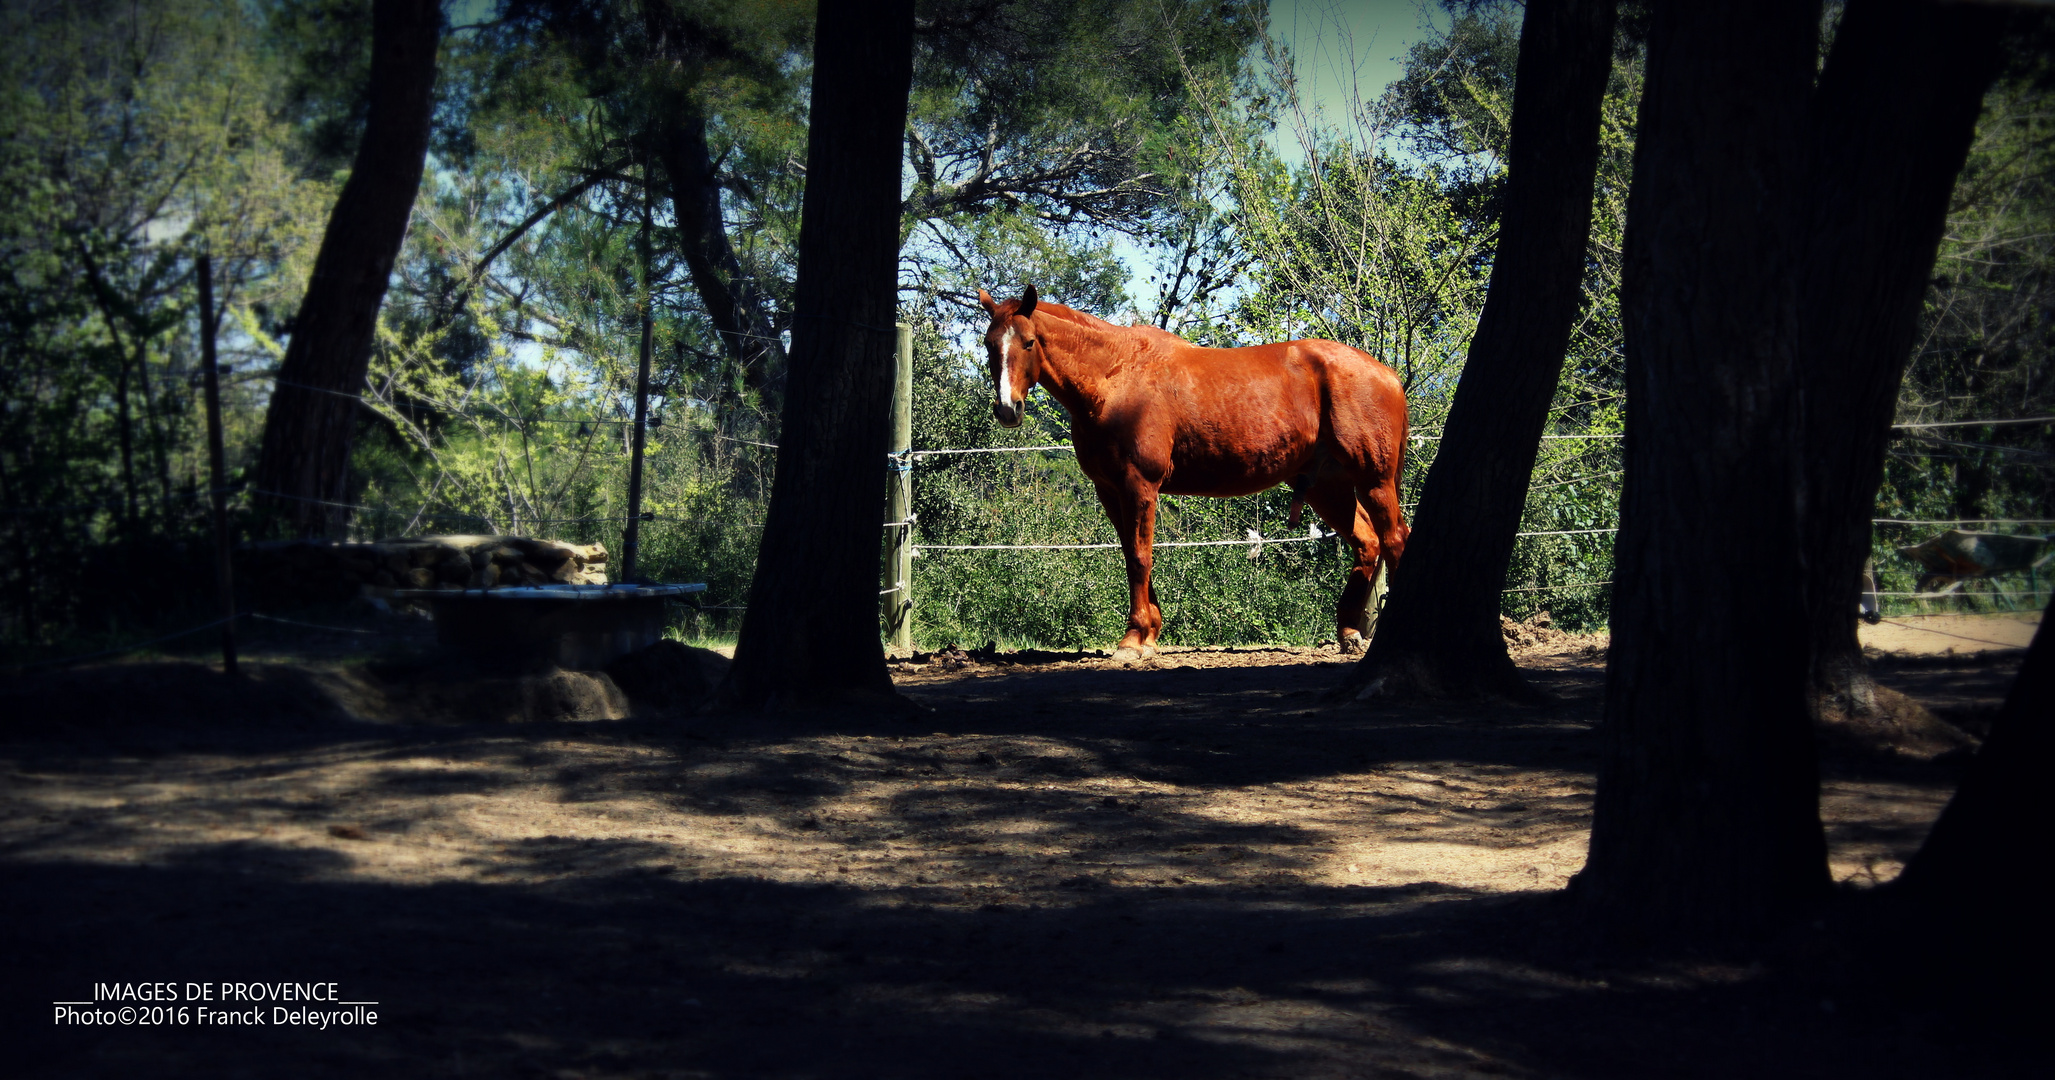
point(1009, 415)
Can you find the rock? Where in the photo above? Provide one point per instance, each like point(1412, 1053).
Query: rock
point(549, 556)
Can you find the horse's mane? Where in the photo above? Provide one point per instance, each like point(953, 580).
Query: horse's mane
point(1093, 322)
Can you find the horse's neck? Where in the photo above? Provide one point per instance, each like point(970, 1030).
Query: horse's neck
point(1078, 358)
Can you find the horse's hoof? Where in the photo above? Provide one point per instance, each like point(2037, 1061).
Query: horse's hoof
point(1133, 652)
point(1351, 643)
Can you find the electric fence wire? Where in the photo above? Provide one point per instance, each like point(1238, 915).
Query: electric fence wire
point(118, 501)
point(1964, 521)
point(1960, 445)
point(129, 648)
point(492, 414)
point(431, 514)
point(1251, 542)
point(1959, 637)
point(65, 661)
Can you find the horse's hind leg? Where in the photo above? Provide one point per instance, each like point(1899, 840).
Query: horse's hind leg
point(1333, 497)
point(1386, 522)
point(1387, 518)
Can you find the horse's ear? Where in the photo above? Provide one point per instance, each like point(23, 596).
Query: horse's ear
point(985, 298)
point(1027, 301)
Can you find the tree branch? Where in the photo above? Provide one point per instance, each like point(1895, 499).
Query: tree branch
point(610, 171)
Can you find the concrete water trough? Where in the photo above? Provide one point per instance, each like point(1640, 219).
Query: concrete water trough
point(575, 627)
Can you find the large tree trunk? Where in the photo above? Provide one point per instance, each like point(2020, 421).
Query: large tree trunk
point(1440, 629)
point(304, 460)
point(741, 313)
point(1973, 916)
point(1894, 116)
point(1707, 811)
point(811, 632)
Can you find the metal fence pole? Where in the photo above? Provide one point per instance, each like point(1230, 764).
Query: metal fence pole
point(898, 583)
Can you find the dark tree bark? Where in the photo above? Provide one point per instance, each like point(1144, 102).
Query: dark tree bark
point(1975, 916)
point(742, 313)
point(1706, 819)
point(1439, 632)
point(1893, 119)
point(811, 631)
point(303, 463)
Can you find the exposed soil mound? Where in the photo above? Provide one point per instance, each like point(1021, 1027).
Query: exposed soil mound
point(1538, 632)
point(668, 676)
point(455, 693)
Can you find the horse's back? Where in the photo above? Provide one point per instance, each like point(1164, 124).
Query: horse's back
point(1286, 400)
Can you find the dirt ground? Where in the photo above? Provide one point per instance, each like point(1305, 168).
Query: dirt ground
point(1927, 635)
point(1183, 867)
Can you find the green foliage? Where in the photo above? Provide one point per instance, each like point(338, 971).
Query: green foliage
point(1383, 238)
point(1054, 141)
point(324, 59)
point(139, 134)
point(1023, 159)
point(1040, 128)
point(1983, 354)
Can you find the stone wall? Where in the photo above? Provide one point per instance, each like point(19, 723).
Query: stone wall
point(300, 571)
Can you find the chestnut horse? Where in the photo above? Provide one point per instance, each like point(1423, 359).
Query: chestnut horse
point(1151, 413)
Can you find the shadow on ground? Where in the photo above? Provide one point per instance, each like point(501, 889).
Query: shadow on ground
point(625, 975)
point(1161, 936)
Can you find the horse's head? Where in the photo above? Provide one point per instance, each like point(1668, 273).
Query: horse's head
point(1014, 353)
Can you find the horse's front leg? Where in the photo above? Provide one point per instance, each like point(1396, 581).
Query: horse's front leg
point(1133, 512)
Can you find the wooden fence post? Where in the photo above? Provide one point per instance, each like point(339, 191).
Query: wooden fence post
point(898, 583)
point(217, 469)
point(631, 537)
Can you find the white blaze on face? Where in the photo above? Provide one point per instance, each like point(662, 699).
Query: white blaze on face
point(1003, 392)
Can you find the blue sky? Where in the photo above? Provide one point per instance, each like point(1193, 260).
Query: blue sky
point(1347, 49)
